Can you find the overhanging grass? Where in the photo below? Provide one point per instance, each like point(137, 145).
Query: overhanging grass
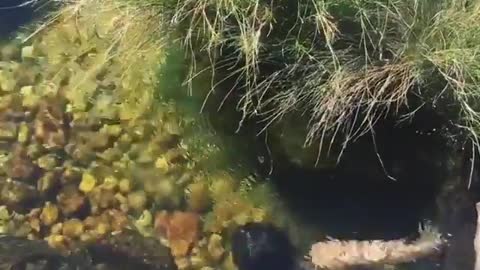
point(342, 64)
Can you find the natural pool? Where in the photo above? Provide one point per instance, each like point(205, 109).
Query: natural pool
point(94, 148)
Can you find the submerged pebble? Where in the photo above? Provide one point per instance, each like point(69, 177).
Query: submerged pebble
point(88, 182)
point(215, 247)
point(8, 131)
point(137, 200)
point(49, 214)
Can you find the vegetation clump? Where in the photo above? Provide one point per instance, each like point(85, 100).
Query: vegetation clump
point(343, 65)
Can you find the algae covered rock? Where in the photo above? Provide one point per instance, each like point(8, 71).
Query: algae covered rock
point(17, 195)
point(137, 250)
point(8, 131)
point(18, 251)
point(180, 228)
point(128, 251)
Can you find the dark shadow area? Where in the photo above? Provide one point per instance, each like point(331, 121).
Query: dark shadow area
point(360, 198)
point(15, 14)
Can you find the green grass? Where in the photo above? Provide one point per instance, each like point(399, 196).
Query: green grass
point(343, 64)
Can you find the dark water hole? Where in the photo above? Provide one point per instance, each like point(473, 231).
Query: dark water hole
point(16, 14)
point(359, 199)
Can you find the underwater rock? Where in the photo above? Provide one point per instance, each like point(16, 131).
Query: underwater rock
point(47, 162)
point(21, 253)
point(97, 141)
point(137, 200)
point(23, 133)
point(21, 166)
point(110, 155)
point(215, 247)
point(180, 228)
point(70, 200)
point(7, 81)
point(10, 52)
point(50, 214)
point(71, 173)
point(27, 52)
point(102, 199)
point(49, 125)
point(259, 246)
point(144, 223)
point(47, 182)
point(73, 228)
point(198, 198)
point(88, 182)
point(125, 185)
point(17, 195)
point(126, 251)
point(8, 131)
point(145, 252)
point(34, 150)
point(29, 98)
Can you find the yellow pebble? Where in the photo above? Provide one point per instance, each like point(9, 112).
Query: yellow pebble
point(73, 228)
point(56, 228)
point(145, 219)
point(102, 228)
point(162, 164)
point(164, 189)
point(35, 224)
point(182, 263)
point(110, 183)
point(86, 237)
point(258, 214)
point(27, 52)
point(4, 214)
point(198, 196)
point(215, 248)
point(137, 200)
point(56, 241)
point(124, 207)
point(88, 182)
point(228, 263)
point(23, 133)
point(125, 185)
point(241, 218)
point(112, 130)
point(120, 198)
point(198, 261)
point(49, 214)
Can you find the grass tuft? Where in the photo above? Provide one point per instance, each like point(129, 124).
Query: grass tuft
point(343, 64)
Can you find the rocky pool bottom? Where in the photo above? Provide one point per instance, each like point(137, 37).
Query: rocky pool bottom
point(81, 162)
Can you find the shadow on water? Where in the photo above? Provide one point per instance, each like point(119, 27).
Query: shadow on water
point(357, 200)
point(15, 14)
